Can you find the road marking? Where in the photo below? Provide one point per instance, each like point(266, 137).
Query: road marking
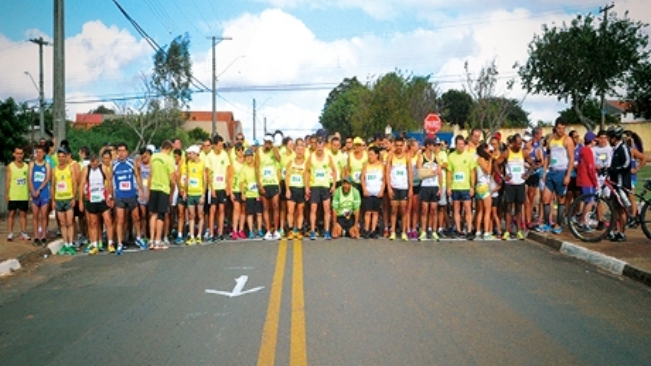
point(240, 282)
point(267, 355)
point(298, 347)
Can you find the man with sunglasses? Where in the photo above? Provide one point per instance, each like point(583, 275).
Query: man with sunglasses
point(267, 160)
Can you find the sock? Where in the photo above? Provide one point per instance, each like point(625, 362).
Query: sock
point(561, 214)
point(546, 213)
point(180, 235)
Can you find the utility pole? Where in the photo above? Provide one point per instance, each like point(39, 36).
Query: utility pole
point(265, 125)
point(253, 119)
point(215, 40)
point(603, 31)
point(41, 97)
point(59, 76)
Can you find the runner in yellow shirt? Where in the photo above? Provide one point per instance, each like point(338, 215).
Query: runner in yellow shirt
point(461, 180)
point(221, 184)
point(287, 154)
point(320, 187)
point(195, 190)
point(266, 163)
point(250, 190)
point(17, 193)
point(64, 181)
point(239, 214)
point(295, 192)
point(161, 183)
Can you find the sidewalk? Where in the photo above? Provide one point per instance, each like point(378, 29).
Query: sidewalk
point(15, 254)
point(631, 259)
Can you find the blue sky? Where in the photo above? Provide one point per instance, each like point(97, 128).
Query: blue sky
point(278, 42)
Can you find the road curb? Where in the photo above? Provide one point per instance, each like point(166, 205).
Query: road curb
point(605, 262)
point(10, 265)
point(55, 246)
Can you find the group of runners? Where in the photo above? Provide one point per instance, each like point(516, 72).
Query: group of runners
point(317, 186)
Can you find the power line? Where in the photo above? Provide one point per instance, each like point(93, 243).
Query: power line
point(196, 82)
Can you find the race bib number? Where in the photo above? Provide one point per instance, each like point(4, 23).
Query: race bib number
point(356, 176)
point(517, 169)
point(371, 177)
point(21, 182)
point(297, 179)
point(603, 157)
point(267, 172)
point(96, 195)
point(253, 187)
point(400, 173)
point(39, 177)
point(62, 187)
point(219, 179)
point(554, 161)
point(125, 186)
point(320, 174)
point(459, 177)
point(194, 182)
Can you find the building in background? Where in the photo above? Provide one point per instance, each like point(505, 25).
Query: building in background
point(227, 126)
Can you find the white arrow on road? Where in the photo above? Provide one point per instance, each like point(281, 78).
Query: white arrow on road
point(237, 290)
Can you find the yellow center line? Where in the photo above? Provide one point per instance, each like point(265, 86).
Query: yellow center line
point(267, 355)
point(298, 347)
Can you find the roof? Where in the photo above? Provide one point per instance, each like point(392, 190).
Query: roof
point(200, 116)
point(89, 118)
point(622, 106)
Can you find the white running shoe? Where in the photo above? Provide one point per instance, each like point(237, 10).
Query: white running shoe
point(276, 235)
point(268, 236)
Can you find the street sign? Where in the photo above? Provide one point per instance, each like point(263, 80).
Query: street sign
point(432, 123)
point(240, 282)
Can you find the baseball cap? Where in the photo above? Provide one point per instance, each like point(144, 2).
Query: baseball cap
point(268, 138)
point(498, 136)
point(193, 149)
point(321, 133)
point(248, 152)
point(358, 141)
point(526, 137)
point(348, 179)
point(589, 137)
point(151, 148)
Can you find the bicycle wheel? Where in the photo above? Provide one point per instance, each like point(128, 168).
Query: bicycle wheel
point(598, 221)
point(645, 219)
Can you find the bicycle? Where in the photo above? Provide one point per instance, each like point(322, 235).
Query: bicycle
point(596, 224)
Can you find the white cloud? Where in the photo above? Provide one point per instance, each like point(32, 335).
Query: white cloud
point(96, 56)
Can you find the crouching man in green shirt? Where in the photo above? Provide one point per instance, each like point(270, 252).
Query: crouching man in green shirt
point(345, 208)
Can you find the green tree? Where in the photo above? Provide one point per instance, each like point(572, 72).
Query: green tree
point(338, 108)
point(15, 122)
point(591, 110)
point(103, 110)
point(456, 107)
point(197, 134)
point(490, 111)
point(422, 99)
point(585, 58)
point(638, 90)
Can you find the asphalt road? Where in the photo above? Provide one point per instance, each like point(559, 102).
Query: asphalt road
point(325, 303)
